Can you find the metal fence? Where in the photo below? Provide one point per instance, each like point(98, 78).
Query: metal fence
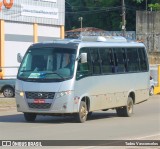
point(130, 35)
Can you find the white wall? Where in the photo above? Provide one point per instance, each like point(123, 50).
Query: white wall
point(18, 37)
point(18, 28)
point(15, 42)
point(10, 54)
point(49, 31)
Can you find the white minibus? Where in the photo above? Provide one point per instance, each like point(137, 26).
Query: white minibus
point(79, 76)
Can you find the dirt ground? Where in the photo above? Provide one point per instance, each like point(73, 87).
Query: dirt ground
point(7, 103)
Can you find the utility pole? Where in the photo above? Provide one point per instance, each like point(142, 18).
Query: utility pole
point(146, 5)
point(81, 19)
point(123, 18)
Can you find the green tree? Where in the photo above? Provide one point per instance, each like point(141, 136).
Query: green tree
point(155, 6)
point(95, 13)
point(138, 1)
point(104, 14)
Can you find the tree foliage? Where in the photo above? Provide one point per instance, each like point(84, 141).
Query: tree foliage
point(155, 6)
point(104, 14)
point(138, 1)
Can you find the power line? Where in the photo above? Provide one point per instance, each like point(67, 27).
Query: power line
point(90, 7)
point(95, 11)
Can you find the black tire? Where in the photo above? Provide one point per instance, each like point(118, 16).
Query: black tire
point(126, 111)
point(120, 112)
point(81, 116)
point(105, 109)
point(8, 92)
point(30, 117)
point(89, 114)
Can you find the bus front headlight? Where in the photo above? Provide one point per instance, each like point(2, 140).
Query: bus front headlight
point(20, 93)
point(64, 93)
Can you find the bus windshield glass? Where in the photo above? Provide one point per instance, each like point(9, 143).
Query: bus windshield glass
point(47, 64)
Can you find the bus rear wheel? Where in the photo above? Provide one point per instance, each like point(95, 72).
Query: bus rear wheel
point(81, 116)
point(30, 117)
point(127, 110)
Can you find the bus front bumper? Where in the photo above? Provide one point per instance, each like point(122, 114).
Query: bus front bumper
point(61, 105)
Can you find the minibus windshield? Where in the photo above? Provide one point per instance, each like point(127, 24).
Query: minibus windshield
point(47, 64)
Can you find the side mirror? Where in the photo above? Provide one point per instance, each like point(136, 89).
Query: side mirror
point(19, 57)
point(83, 58)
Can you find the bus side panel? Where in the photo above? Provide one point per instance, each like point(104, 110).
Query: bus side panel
point(110, 91)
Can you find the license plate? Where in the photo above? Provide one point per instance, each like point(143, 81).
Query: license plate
point(39, 101)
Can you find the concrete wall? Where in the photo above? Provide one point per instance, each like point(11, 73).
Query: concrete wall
point(148, 32)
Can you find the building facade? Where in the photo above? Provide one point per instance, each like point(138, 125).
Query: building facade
point(23, 22)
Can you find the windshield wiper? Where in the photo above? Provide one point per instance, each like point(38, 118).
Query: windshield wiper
point(53, 73)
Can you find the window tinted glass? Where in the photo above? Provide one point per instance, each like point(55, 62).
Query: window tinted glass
point(95, 59)
point(107, 60)
point(119, 57)
point(84, 69)
point(112, 60)
point(142, 59)
point(47, 64)
point(132, 59)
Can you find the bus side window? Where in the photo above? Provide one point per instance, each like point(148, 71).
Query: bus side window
point(119, 60)
point(85, 68)
point(142, 59)
point(132, 59)
point(107, 61)
point(95, 59)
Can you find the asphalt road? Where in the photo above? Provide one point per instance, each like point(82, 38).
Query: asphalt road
point(144, 125)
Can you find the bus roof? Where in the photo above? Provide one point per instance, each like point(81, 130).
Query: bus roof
point(88, 41)
point(103, 39)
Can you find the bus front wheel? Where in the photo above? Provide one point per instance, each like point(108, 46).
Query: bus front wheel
point(127, 110)
point(30, 117)
point(81, 116)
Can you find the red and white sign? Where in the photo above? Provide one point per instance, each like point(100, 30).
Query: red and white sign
point(6, 4)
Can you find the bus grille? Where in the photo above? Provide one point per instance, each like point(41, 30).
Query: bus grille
point(39, 106)
point(40, 95)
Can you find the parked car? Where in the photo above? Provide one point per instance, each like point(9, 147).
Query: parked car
point(7, 87)
point(152, 85)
